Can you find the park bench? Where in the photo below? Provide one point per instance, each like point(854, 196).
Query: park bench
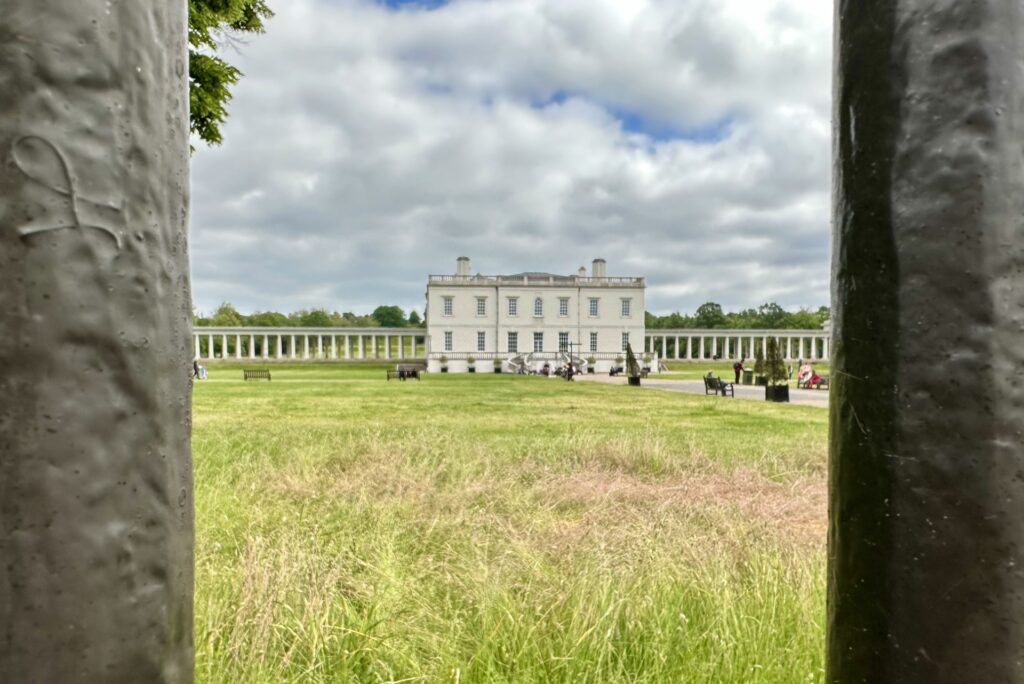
point(717, 386)
point(822, 383)
point(255, 375)
point(405, 371)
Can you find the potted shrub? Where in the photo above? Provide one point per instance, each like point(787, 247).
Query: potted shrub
point(632, 367)
point(444, 364)
point(472, 364)
point(591, 363)
point(759, 377)
point(617, 368)
point(777, 388)
point(497, 365)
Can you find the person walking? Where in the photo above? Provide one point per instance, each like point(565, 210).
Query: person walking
point(737, 368)
point(195, 368)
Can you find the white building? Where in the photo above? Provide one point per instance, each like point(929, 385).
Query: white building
point(533, 316)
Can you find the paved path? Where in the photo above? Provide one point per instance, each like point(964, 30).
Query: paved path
point(817, 398)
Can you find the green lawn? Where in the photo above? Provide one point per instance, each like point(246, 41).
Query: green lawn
point(496, 528)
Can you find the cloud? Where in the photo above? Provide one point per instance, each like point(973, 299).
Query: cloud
point(370, 144)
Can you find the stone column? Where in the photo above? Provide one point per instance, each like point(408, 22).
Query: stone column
point(266, 346)
point(373, 346)
point(348, 347)
point(95, 464)
point(387, 346)
point(362, 350)
point(210, 349)
point(926, 541)
point(319, 346)
point(334, 347)
point(714, 346)
point(291, 347)
point(305, 347)
point(825, 342)
point(196, 338)
point(701, 347)
point(280, 345)
point(238, 346)
point(223, 346)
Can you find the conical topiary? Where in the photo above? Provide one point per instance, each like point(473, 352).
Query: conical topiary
point(775, 367)
point(632, 367)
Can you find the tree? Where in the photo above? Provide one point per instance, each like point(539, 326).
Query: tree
point(389, 316)
point(772, 316)
point(414, 319)
point(211, 24)
point(314, 318)
point(775, 367)
point(758, 360)
point(227, 315)
point(709, 315)
point(632, 367)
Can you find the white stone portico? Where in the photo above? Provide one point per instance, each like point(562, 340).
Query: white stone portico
point(695, 344)
point(532, 316)
point(308, 344)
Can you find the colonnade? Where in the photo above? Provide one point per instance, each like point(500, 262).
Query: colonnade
point(286, 344)
point(683, 344)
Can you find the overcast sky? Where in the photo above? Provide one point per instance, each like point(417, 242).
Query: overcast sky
point(371, 143)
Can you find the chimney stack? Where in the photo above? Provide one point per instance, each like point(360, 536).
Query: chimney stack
point(462, 266)
point(600, 269)
point(582, 273)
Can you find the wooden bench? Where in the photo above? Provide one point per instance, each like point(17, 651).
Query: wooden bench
point(822, 383)
point(717, 386)
point(256, 375)
point(404, 372)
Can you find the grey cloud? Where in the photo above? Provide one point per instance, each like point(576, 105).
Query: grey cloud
point(368, 148)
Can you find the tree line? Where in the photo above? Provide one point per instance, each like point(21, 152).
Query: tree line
point(768, 316)
point(384, 316)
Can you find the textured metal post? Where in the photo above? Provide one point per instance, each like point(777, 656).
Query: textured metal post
point(926, 576)
point(95, 349)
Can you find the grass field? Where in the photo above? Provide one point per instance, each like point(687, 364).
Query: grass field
point(493, 528)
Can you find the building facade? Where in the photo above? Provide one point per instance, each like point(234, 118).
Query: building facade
point(537, 316)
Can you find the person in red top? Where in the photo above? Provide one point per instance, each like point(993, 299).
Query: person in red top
point(737, 368)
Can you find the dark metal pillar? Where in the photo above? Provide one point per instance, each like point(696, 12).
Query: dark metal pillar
point(926, 573)
point(95, 473)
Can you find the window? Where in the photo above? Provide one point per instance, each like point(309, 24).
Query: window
point(513, 306)
point(625, 339)
point(481, 341)
point(538, 341)
point(563, 306)
point(448, 340)
point(448, 306)
point(563, 341)
point(513, 342)
point(593, 341)
point(481, 306)
point(538, 307)
point(625, 307)
point(593, 307)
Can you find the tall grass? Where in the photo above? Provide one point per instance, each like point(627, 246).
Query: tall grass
point(503, 529)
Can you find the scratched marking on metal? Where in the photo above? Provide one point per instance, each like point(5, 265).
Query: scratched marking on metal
point(64, 186)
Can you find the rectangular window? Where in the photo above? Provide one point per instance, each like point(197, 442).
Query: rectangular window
point(625, 307)
point(625, 340)
point(593, 342)
point(448, 306)
point(513, 307)
point(538, 341)
point(563, 306)
point(481, 341)
point(593, 307)
point(481, 306)
point(538, 307)
point(448, 340)
point(513, 342)
point(563, 341)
